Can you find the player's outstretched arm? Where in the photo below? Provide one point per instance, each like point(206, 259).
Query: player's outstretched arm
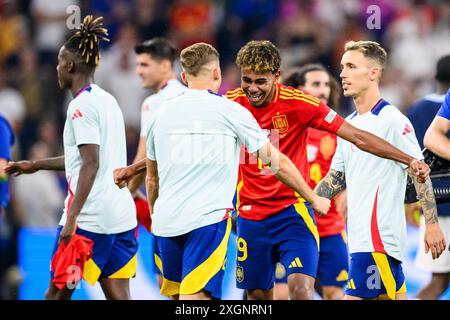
point(25, 166)
point(287, 173)
point(434, 238)
point(89, 154)
point(436, 137)
point(122, 176)
point(331, 184)
point(152, 183)
point(371, 143)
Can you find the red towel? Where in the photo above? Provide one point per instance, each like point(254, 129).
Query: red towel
point(68, 262)
point(143, 213)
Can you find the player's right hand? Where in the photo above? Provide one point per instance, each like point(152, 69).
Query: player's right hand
point(321, 205)
point(19, 167)
point(122, 176)
point(434, 240)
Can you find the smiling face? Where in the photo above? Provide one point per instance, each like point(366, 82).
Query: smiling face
point(151, 71)
point(259, 87)
point(317, 83)
point(358, 73)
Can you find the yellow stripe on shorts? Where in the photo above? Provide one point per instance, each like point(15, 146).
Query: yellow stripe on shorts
point(197, 279)
point(387, 277)
point(302, 210)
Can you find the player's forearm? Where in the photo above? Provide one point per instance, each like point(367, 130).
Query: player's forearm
point(139, 178)
point(438, 143)
point(55, 164)
point(152, 188)
point(427, 200)
point(136, 182)
point(331, 184)
point(371, 143)
point(288, 174)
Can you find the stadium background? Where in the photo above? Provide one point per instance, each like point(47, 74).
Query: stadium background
point(415, 34)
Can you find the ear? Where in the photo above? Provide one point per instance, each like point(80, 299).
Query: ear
point(184, 78)
point(166, 65)
point(216, 74)
point(277, 76)
point(374, 73)
point(70, 67)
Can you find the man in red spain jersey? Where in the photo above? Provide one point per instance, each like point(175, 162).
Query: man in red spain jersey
point(274, 224)
point(332, 271)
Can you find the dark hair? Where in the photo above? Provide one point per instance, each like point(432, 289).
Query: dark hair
point(259, 56)
point(85, 41)
point(443, 69)
point(297, 78)
point(158, 48)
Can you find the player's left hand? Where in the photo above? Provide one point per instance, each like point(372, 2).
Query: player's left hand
point(434, 240)
point(68, 231)
point(122, 176)
point(420, 169)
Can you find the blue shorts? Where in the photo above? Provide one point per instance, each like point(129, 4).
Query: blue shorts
point(373, 274)
point(333, 262)
point(289, 237)
point(114, 255)
point(194, 261)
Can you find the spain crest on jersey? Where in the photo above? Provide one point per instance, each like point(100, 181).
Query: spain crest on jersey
point(280, 122)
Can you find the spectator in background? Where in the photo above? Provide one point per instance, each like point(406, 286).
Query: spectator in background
point(12, 25)
point(191, 22)
point(9, 275)
point(421, 114)
point(50, 17)
point(39, 194)
point(12, 105)
point(116, 74)
point(152, 18)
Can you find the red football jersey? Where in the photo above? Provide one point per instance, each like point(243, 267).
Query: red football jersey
point(321, 148)
point(286, 119)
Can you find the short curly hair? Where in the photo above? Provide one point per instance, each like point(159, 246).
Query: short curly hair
point(259, 56)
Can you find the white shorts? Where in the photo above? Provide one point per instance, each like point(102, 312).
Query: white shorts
point(425, 261)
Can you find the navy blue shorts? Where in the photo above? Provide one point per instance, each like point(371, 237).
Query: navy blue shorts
point(373, 274)
point(289, 237)
point(194, 261)
point(114, 255)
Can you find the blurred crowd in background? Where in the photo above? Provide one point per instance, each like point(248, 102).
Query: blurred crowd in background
point(415, 33)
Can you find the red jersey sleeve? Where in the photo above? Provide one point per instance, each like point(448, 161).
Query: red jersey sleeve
point(324, 118)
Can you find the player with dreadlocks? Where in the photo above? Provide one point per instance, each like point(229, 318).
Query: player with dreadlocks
point(99, 219)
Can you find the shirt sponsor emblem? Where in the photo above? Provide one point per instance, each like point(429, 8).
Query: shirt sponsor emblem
point(330, 116)
point(246, 208)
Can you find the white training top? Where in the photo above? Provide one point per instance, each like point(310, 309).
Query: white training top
point(376, 186)
point(196, 140)
point(94, 117)
point(172, 89)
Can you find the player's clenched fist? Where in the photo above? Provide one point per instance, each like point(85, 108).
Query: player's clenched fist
point(321, 205)
point(122, 176)
point(20, 167)
point(421, 170)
